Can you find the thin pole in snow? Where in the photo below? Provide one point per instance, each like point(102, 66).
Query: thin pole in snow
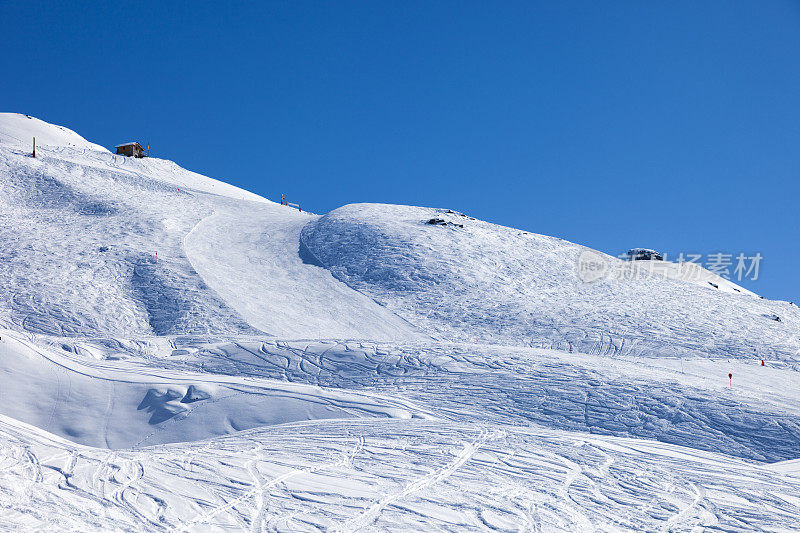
point(34, 147)
point(730, 379)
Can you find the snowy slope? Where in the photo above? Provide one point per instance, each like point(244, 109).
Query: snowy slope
point(178, 354)
point(271, 286)
point(97, 244)
point(123, 405)
point(683, 402)
point(19, 131)
point(407, 475)
point(488, 283)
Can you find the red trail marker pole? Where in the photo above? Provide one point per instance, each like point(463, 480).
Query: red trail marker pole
point(730, 379)
point(34, 147)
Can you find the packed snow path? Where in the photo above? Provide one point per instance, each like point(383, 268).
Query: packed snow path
point(250, 255)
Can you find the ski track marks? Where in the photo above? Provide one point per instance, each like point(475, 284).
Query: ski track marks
point(314, 373)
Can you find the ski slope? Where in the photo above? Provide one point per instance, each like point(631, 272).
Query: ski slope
point(475, 281)
point(127, 405)
point(273, 288)
point(399, 475)
point(178, 354)
point(19, 131)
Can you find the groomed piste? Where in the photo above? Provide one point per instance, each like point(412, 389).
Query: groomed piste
point(179, 354)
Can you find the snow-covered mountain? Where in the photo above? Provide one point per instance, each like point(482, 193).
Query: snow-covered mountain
point(180, 354)
point(465, 279)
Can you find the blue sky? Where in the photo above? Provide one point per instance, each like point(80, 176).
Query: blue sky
point(670, 125)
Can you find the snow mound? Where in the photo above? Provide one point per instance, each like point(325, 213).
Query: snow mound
point(19, 130)
point(469, 280)
point(123, 405)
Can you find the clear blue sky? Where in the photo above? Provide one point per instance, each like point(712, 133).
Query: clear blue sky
point(672, 125)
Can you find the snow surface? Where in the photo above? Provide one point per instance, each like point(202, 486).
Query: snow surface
point(123, 405)
point(488, 283)
point(179, 354)
point(19, 130)
point(274, 288)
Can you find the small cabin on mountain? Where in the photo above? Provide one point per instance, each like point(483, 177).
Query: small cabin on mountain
point(133, 149)
point(644, 254)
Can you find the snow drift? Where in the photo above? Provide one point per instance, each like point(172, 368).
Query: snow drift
point(125, 405)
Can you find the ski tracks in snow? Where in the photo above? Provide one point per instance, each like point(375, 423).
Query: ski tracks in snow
point(260, 488)
point(371, 514)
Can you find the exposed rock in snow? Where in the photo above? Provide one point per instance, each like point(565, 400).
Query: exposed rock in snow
point(644, 254)
point(443, 222)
